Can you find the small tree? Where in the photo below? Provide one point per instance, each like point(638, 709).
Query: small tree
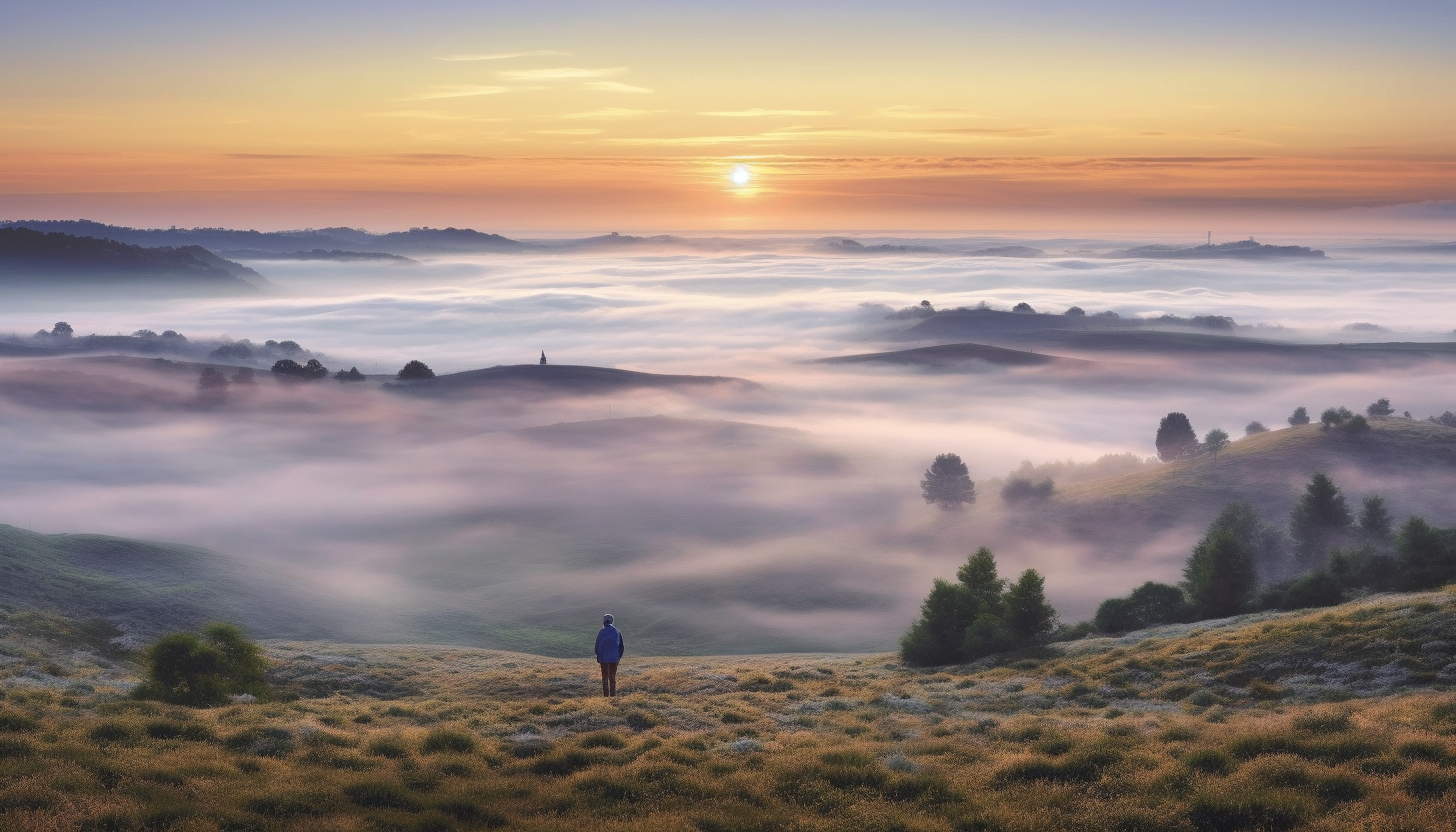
point(1300, 416)
point(1215, 441)
point(212, 386)
point(1175, 438)
point(415, 370)
point(1076, 312)
point(62, 330)
point(947, 483)
point(351, 374)
point(1318, 523)
point(1219, 577)
point(1024, 308)
point(1381, 407)
point(1254, 427)
point(1147, 606)
point(978, 615)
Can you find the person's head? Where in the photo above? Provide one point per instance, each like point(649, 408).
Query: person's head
point(607, 619)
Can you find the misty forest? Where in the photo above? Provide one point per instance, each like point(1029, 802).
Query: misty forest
point(313, 530)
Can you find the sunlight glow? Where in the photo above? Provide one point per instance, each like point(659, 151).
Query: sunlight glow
point(741, 175)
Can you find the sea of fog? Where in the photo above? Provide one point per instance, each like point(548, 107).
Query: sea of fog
point(438, 520)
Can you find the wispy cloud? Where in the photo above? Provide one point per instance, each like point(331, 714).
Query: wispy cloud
point(501, 56)
point(614, 86)
point(573, 131)
point(757, 112)
point(559, 72)
point(789, 135)
point(460, 91)
point(910, 111)
point(439, 115)
point(612, 112)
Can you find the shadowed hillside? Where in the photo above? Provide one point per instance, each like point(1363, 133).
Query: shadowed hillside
point(145, 588)
point(41, 260)
point(958, 357)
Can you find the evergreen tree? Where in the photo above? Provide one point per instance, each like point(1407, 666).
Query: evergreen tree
point(1426, 554)
point(978, 576)
point(1375, 520)
point(1028, 616)
point(947, 483)
point(1381, 407)
point(1219, 577)
point(1319, 523)
point(1300, 416)
point(1175, 438)
point(1255, 427)
point(938, 637)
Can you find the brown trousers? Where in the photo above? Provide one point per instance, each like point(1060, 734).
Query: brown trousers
point(609, 678)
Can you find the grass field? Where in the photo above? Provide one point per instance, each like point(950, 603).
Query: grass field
point(1335, 719)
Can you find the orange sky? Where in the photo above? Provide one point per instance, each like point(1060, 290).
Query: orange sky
point(568, 116)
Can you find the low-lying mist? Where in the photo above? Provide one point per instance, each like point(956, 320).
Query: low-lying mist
point(706, 520)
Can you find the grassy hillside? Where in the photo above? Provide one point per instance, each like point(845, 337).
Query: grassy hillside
point(1336, 720)
point(561, 379)
point(141, 587)
point(1396, 457)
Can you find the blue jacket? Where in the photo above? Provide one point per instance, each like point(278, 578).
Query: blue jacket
point(610, 645)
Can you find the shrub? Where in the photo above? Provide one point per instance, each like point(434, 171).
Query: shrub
point(1209, 761)
point(603, 739)
point(381, 794)
point(261, 742)
point(184, 669)
point(17, 723)
point(112, 732)
point(1264, 811)
point(391, 747)
point(446, 740)
point(1425, 784)
point(15, 749)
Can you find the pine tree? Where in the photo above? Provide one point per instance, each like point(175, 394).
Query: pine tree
point(1319, 523)
point(1375, 520)
point(1028, 615)
point(1219, 577)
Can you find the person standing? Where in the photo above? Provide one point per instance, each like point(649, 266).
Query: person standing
point(610, 647)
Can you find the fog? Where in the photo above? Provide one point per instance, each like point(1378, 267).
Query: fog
point(706, 519)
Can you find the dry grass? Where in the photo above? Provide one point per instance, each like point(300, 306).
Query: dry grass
point(1227, 725)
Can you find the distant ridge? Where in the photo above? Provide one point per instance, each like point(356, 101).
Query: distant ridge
point(1238, 249)
point(956, 356)
point(53, 259)
point(413, 241)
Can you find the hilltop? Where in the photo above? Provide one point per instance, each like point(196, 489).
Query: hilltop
point(1268, 470)
point(561, 379)
point(1340, 719)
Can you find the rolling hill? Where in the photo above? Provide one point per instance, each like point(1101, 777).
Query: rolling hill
point(561, 380)
point(957, 357)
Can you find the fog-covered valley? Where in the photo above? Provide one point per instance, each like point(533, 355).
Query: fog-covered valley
point(780, 512)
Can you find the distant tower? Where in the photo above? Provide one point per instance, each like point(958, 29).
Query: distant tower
point(543, 358)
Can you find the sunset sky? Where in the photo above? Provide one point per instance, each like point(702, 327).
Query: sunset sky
point(567, 116)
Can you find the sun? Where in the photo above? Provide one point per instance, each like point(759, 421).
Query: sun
point(740, 175)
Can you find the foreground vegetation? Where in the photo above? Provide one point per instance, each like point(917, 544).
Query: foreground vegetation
point(1334, 719)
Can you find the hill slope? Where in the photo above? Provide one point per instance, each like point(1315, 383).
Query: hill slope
point(142, 587)
point(1214, 729)
point(1397, 457)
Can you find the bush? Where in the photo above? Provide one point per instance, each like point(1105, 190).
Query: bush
point(186, 670)
point(1018, 490)
point(1264, 811)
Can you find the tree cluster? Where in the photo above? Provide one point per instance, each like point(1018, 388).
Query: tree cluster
point(289, 369)
point(1022, 490)
point(185, 669)
point(1333, 554)
point(415, 370)
point(978, 615)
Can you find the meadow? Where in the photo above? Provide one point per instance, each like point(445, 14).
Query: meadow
point(1333, 719)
